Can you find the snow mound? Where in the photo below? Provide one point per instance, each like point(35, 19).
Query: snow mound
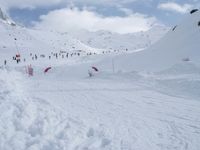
point(32, 124)
point(178, 45)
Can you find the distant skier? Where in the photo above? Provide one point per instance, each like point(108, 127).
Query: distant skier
point(5, 62)
point(18, 58)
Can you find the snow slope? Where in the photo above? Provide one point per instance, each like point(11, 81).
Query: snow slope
point(30, 123)
point(118, 112)
point(22, 39)
point(113, 41)
point(176, 46)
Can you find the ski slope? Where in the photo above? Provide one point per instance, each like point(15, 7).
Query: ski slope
point(110, 111)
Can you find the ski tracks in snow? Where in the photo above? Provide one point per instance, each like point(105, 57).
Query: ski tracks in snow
point(133, 116)
point(96, 114)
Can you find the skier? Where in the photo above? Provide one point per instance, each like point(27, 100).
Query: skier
point(5, 62)
point(18, 58)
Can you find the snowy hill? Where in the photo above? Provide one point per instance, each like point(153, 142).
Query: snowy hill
point(113, 41)
point(21, 39)
point(180, 44)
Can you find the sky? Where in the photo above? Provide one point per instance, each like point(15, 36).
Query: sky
point(121, 16)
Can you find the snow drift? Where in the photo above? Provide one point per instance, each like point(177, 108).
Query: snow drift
point(178, 45)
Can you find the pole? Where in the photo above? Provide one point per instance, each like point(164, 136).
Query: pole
point(113, 65)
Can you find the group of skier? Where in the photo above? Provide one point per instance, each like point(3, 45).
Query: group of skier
point(16, 58)
point(56, 55)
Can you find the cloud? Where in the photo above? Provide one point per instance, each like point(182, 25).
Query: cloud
point(104, 2)
point(172, 6)
point(31, 4)
point(125, 10)
point(63, 20)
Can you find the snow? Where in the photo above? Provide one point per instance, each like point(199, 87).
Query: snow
point(114, 42)
point(119, 111)
point(173, 48)
point(138, 100)
point(31, 123)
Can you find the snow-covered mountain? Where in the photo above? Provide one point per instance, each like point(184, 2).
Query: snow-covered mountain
point(19, 39)
point(15, 38)
point(114, 41)
point(4, 18)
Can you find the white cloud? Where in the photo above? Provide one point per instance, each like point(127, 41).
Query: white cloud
point(125, 10)
point(28, 3)
point(171, 6)
point(63, 20)
point(43, 3)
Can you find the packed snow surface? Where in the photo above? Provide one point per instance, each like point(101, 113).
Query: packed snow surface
point(118, 111)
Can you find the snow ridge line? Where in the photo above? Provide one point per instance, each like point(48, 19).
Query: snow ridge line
point(33, 124)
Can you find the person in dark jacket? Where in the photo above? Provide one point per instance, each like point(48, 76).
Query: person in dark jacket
point(5, 62)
